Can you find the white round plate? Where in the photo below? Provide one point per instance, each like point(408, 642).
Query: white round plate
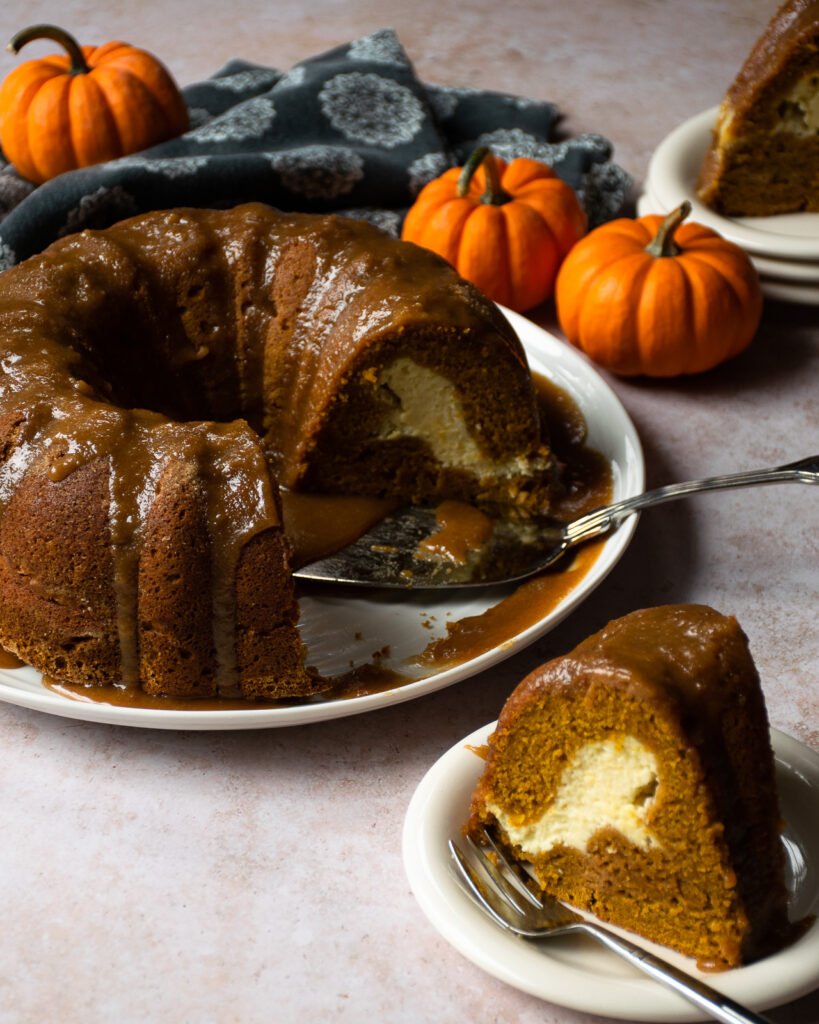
point(343, 627)
point(578, 973)
point(673, 172)
point(785, 291)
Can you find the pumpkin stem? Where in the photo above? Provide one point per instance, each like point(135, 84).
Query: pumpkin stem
point(663, 243)
point(79, 65)
point(494, 194)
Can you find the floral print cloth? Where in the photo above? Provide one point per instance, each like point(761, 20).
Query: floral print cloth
point(351, 131)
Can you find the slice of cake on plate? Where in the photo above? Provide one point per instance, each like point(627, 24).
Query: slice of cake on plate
point(764, 155)
point(635, 776)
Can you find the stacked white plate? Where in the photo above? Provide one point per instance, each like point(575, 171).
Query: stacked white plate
point(784, 248)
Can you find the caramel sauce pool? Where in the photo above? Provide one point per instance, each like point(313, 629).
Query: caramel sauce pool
point(461, 530)
point(126, 697)
point(318, 525)
point(529, 603)
point(9, 660)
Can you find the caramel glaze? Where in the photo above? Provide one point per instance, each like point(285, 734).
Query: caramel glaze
point(319, 524)
point(208, 339)
point(526, 605)
point(460, 530)
point(372, 677)
point(9, 660)
point(124, 697)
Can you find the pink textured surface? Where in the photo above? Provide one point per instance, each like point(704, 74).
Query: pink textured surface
point(257, 877)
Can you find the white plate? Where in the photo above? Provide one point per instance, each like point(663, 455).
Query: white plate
point(577, 973)
point(673, 172)
point(785, 291)
point(343, 628)
point(779, 279)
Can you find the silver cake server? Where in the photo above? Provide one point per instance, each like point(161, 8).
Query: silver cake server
point(388, 555)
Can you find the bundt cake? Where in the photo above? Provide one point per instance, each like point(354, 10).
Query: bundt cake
point(635, 775)
point(162, 377)
point(764, 155)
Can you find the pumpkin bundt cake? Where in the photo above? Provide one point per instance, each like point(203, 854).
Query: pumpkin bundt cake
point(162, 377)
point(635, 775)
point(764, 155)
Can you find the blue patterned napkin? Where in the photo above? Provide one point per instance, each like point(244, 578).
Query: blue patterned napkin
point(351, 131)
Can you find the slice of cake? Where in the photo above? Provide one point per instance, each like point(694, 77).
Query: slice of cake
point(635, 775)
point(764, 156)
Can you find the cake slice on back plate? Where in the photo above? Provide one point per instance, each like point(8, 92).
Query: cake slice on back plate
point(635, 776)
point(764, 155)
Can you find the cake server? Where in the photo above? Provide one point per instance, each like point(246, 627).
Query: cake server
point(388, 555)
point(509, 898)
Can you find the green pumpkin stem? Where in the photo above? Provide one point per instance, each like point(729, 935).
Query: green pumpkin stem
point(494, 194)
point(663, 243)
point(79, 65)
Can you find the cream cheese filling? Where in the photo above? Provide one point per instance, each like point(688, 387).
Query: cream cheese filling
point(427, 406)
point(800, 109)
point(608, 784)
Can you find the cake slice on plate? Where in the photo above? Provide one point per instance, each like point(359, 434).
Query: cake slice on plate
point(635, 776)
point(764, 155)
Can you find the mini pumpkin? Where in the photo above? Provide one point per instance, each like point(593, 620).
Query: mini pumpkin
point(91, 104)
point(504, 227)
point(657, 297)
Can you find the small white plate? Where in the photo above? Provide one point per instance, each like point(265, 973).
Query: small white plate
point(787, 281)
point(342, 627)
point(673, 172)
point(575, 972)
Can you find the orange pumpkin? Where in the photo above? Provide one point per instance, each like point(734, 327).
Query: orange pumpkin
point(505, 228)
point(658, 297)
point(91, 104)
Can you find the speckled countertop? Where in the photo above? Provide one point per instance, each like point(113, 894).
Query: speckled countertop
point(257, 876)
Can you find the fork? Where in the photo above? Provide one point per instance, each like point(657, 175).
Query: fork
point(506, 894)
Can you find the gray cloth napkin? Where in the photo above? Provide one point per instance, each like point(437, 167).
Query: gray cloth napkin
point(352, 130)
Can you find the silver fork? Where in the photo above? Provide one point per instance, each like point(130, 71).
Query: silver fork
point(502, 890)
